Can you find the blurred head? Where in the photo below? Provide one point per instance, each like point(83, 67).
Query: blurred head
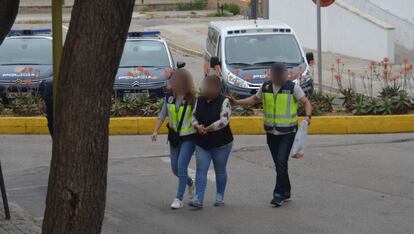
point(211, 86)
point(182, 84)
point(279, 73)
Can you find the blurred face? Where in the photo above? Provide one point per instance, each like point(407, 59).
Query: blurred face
point(179, 84)
point(211, 88)
point(279, 77)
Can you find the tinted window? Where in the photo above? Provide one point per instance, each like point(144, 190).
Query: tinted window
point(26, 51)
point(145, 54)
point(253, 49)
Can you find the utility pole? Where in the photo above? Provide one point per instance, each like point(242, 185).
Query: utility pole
point(319, 32)
point(266, 9)
point(254, 9)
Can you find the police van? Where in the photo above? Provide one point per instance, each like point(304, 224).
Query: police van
point(25, 61)
point(246, 49)
point(146, 65)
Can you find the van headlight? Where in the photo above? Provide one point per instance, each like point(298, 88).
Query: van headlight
point(236, 81)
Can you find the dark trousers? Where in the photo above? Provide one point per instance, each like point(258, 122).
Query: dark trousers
point(280, 146)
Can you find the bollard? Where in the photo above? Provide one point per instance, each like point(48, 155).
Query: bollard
point(4, 195)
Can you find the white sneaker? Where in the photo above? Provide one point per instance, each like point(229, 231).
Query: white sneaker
point(177, 204)
point(191, 190)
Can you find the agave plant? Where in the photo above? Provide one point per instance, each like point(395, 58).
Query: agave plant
point(387, 106)
point(402, 103)
point(390, 91)
point(375, 106)
point(359, 107)
point(117, 109)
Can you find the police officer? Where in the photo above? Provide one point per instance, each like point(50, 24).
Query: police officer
point(178, 108)
point(279, 97)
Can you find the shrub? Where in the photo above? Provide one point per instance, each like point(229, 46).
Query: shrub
point(243, 111)
point(27, 104)
point(219, 14)
point(232, 8)
point(193, 6)
point(1, 108)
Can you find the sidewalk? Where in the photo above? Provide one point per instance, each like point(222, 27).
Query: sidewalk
point(19, 223)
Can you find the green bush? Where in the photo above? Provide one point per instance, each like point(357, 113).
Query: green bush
point(193, 6)
point(232, 8)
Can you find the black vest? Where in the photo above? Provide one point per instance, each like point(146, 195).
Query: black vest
point(207, 113)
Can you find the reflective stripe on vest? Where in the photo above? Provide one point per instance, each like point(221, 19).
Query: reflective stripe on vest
point(175, 117)
point(280, 110)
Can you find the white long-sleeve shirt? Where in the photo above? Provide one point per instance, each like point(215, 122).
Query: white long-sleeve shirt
point(225, 115)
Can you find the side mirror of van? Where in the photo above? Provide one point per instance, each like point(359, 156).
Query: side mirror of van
point(310, 58)
point(180, 64)
point(214, 61)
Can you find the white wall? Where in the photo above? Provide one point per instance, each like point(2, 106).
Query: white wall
point(345, 30)
point(404, 30)
point(401, 8)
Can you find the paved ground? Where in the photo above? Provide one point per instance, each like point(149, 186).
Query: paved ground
point(345, 184)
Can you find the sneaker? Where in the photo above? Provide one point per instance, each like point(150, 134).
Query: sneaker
point(191, 190)
point(279, 200)
point(219, 200)
point(196, 203)
point(177, 204)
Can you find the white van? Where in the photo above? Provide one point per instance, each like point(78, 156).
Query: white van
point(246, 49)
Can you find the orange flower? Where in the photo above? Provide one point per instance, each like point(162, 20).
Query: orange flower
point(405, 61)
point(338, 77)
point(27, 82)
point(393, 77)
point(338, 61)
point(248, 78)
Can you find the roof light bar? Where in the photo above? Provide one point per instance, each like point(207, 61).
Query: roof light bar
point(30, 32)
point(145, 34)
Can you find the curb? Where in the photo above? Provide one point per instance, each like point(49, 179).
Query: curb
point(240, 125)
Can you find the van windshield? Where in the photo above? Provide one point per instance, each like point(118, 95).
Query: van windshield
point(264, 49)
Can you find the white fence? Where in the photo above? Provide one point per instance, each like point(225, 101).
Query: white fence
point(345, 29)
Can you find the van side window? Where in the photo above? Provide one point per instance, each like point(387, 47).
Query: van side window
point(219, 48)
point(212, 38)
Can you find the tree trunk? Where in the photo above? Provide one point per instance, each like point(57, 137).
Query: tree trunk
point(8, 13)
point(75, 201)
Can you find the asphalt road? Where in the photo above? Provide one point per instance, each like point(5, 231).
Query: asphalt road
point(345, 184)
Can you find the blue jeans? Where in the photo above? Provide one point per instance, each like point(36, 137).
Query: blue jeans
point(219, 156)
point(180, 158)
point(280, 146)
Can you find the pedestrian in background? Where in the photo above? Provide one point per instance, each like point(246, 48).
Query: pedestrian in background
point(214, 139)
point(279, 97)
point(178, 107)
